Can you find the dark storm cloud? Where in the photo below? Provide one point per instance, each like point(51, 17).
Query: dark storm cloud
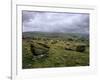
point(55, 22)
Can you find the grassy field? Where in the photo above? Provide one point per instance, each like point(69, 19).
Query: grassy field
point(45, 50)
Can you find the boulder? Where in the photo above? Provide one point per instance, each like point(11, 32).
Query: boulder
point(39, 50)
point(80, 48)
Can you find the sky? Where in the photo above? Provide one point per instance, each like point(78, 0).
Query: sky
point(64, 22)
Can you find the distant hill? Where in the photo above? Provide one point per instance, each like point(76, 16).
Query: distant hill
point(54, 35)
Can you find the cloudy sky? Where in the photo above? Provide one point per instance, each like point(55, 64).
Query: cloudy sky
point(55, 22)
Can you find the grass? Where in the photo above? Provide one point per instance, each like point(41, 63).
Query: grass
point(58, 56)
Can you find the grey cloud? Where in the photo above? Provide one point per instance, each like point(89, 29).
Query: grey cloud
point(55, 22)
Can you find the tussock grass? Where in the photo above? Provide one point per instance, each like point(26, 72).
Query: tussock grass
point(61, 53)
